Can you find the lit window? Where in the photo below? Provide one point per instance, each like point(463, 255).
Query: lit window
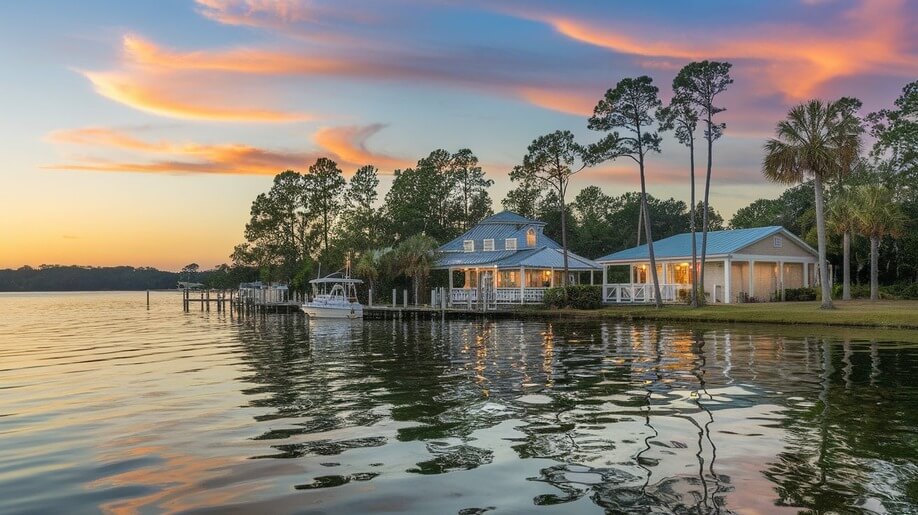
point(530, 237)
point(488, 245)
point(468, 245)
point(779, 242)
point(510, 244)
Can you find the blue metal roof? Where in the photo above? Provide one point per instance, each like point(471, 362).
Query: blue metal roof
point(499, 228)
point(719, 242)
point(547, 258)
point(509, 217)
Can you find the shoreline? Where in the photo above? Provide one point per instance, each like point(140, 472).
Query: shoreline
point(899, 314)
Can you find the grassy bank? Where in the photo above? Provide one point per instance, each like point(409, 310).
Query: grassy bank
point(855, 313)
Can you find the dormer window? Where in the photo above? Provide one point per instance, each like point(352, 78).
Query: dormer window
point(488, 245)
point(468, 245)
point(778, 242)
point(530, 237)
point(510, 244)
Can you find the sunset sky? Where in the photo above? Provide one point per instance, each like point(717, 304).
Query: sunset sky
point(139, 132)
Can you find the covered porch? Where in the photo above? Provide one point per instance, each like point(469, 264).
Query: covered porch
point(522, 285)
point(728, 279)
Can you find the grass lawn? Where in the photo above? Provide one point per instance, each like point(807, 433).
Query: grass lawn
point(859, 313)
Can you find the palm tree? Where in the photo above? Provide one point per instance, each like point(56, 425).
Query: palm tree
point(818, 140)
point(368, 265)
point(842, 219)
point(877, 216)
point(415, 257)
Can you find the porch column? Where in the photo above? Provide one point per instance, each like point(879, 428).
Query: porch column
point(551, 283)
point(806, 275)
point(663, 267)
point(522, 286)
point(449, 294)
point(605, 274)
point(630, 273)
point(591, 277)
point(781, 278)
point(728, 274)
point(752, 278)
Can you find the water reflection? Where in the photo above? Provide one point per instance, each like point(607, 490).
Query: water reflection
point(276, 413)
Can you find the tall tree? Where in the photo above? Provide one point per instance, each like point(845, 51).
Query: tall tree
point(360, 221)
point(698, 84)
point(630, 106)
point(324, 190)
point(552, 160)
point(525, 198)
point(681, 117)
point(472, 197)
point(842, 219)
point(877, 217)
point(818, 140)
point(593, 233)
point(415, 257)
point(276, 234)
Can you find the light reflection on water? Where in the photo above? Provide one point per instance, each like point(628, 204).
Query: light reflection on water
point(107, 406)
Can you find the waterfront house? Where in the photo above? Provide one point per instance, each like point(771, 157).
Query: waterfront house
point(742, 265)
point(507, 259)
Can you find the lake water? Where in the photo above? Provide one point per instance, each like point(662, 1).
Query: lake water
point(106, 406)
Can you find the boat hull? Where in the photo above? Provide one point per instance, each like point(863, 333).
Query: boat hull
point(351, 312)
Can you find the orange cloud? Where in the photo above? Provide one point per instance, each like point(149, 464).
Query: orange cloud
point(556, 99)
point(799, 59)
point(349, 144)
point(346, 145)
point(138, 94)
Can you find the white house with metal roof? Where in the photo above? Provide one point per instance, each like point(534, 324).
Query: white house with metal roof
point(507, 259)
point(741, 264)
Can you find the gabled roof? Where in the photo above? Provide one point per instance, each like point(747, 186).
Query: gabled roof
point(719, 242)
point(541, 257)
point(509, 217)
point(499, 227)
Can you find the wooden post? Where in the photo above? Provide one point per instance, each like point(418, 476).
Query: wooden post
point(370, 297)
point(148, 300)
point(450, 292)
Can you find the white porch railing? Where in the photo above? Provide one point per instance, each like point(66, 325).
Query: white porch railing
point(638, 293)
point(464, 296)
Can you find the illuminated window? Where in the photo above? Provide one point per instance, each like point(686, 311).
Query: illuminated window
point(530, 237)
point(779, 242)
point(468, 245)
point(488, 245)
point(510, 244)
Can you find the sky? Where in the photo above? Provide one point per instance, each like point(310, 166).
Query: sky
point(139, 133)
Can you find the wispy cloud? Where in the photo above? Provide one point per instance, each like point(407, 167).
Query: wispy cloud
point(148, 94)
point(346, 145)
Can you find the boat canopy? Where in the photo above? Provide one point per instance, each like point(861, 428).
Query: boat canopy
point(336, 280)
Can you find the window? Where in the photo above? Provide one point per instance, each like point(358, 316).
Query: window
point(468, 245)
point(510, 244)
point(507, 279)
point(488, 245)
point(530, 237)
point(779, 242)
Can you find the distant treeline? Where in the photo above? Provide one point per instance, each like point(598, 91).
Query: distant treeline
point(92, 278)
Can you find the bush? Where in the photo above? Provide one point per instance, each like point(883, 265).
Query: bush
point(575, 296)
point(800, 294)
point(900, 291)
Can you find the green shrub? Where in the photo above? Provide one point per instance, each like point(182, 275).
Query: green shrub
point(900, 291)
point(800, 294)
point(575, 296)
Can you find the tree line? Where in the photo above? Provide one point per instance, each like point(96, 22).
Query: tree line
point(309, 223)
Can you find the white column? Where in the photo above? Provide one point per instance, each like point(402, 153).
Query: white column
point(728, 274)
point(663, 267)
point(551, 283)
point(522, 285)
point(630, 273)
point(806, 275)
point(781, 278)
point(449, 294)
point(752, 278)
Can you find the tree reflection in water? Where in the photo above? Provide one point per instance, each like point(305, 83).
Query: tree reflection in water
point(632, 417)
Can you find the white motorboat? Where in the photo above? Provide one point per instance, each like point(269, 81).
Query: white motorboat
point(334, 297)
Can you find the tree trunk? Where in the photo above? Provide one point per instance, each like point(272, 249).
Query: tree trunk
point(694, 271)
point(874, 259)
point(704, 216)
point(846, 265)
point(821, 236)
point(640, 221)
point(564, 236)
point(647, 232)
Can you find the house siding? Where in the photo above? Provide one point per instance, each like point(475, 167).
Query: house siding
point(766, 247)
